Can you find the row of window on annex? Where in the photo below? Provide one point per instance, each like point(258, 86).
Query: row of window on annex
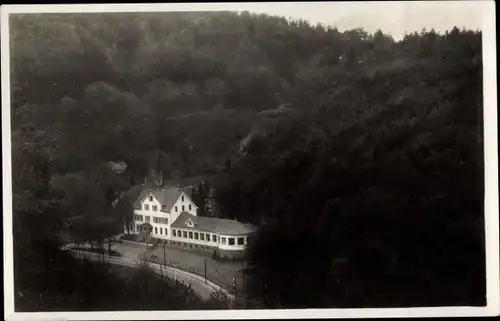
point(208, 237)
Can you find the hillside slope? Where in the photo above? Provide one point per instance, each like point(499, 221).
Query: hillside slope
point(374, 159)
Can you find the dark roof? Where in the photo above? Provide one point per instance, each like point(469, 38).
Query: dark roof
point(131, 195)
point(166, 197)
point(212, 224)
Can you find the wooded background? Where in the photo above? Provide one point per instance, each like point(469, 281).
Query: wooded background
point(364, 155)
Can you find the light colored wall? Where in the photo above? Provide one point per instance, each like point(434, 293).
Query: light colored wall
point(217, 244)
point(152, 214)
point(173, 216)
point(193, 241)
point(146, 201)
point(234, 247)
point(179, 203)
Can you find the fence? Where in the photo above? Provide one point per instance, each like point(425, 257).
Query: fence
point(240, 293)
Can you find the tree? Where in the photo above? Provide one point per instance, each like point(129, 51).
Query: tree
point(125, 212)
point(364, 112)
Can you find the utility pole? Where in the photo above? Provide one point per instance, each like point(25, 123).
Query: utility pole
point(205, 270)
point(162, 283)
point(164, 256)
point(243, 274)
point(234, 286)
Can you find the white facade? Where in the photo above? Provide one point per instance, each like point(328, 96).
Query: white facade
point(161, 218)
point(216, 240)
point(151, 212)
point(183, 204)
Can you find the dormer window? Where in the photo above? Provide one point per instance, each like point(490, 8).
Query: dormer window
point(189, 223)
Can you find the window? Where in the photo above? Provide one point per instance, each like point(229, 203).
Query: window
point(185, 234)
point(183, 208)
point(214, 238)
point(150, 198)
point(202, 236)
point(176, 209)
point(230, 240)
point(223, 240)
point(189, 206)
point(146, 207)
point(155, 208)
point(191, 235)
point(173, 232)
point(148, 219)
point(241, 240)
point(195, 235)
point(166, 231)
point(137, 228)
point(138, 217)
point(182, 198)
point(156, 230)
point(160, 220)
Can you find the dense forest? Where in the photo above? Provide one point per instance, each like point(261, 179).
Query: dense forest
point(359, 157)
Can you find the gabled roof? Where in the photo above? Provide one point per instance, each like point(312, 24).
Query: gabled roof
point(131, 195)
point(166, 197)
point(214, 225)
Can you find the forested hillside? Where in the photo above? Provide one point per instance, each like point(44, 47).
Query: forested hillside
point(364, 154)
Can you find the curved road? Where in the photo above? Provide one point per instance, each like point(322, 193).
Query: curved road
point(204, 290)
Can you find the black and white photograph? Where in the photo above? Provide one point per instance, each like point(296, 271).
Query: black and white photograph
point(249, 160)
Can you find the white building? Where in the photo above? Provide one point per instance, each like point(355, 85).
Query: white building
point(171, 215)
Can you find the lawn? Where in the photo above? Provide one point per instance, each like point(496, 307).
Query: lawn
point(219, 272)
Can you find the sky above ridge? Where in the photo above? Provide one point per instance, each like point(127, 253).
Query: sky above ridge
point(394, 18)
